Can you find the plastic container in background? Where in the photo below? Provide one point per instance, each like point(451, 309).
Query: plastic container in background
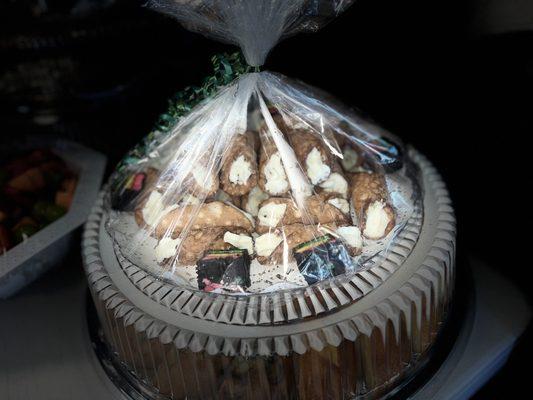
point(28, 260)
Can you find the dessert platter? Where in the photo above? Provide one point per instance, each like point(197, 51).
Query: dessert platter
point(245, 233)
point(342, 304)
point(269, 243)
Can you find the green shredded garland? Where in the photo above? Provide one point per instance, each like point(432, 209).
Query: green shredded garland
point(226, 68)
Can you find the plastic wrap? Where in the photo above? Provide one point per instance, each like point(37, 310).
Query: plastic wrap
point(265, 186)
point(254, 25)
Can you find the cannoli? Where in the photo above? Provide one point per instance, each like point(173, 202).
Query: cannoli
point(250, 202)
point(155, 205)
point(313, 156)
point(191, 248)
point(151, 210)
point(276, 212)
point(277, 245)
point(266, 243)
point(203, 181)
point(239, 170)
point(228, 269)
point(207, 215)
point(197, 242)
point(240, 241)
point(322, 258)
point(278, 119)
point(339, 203)
point(331, 211)
point(335, 183)
point(336, 200)
point(226, 198)
point(371, 203)
point(193, 172)
point(188, 200)
point(351, 237)
point(352, 159)
point(253, 137)
point(272, 177)
point(166, 249)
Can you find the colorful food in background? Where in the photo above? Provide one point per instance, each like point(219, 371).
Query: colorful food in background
point(36, 189)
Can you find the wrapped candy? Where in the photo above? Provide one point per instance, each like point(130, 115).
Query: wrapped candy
point(262, 182)
point(322, 258)
point(224, 269)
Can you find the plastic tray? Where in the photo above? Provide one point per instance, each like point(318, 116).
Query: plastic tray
point(28, 260)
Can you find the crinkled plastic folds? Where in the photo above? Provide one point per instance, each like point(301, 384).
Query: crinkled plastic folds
point(254, 25)
point(268, 185)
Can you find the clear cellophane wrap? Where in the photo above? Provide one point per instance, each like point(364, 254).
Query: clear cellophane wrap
point(256, 26)
point(267, 185)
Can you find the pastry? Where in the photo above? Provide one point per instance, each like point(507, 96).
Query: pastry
point(371, 203)
point(239, 170)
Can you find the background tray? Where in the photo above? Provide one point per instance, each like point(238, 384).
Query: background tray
point(28, 260)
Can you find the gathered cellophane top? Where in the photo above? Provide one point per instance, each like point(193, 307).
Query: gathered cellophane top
point(265, 186)
point(256, 26)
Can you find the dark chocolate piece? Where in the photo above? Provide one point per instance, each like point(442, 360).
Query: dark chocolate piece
point(322, 258)
point(227, 269)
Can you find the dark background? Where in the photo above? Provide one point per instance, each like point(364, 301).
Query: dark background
point(461, 96)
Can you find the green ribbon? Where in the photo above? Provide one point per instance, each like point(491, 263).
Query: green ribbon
point(226, 68)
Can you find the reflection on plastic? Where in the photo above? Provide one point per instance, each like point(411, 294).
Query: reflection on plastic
point(268, 183)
